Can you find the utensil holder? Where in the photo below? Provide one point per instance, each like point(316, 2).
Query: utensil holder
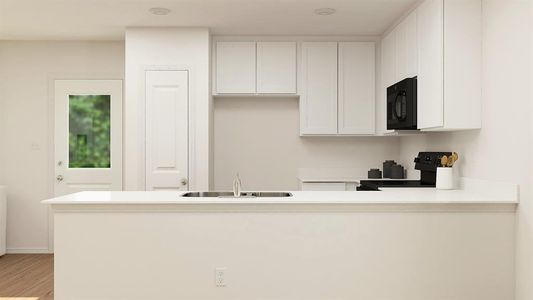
point(444, 178)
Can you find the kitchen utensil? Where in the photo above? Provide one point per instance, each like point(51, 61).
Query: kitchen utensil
point(455, 156)
point(450, 161)
point(444, 160)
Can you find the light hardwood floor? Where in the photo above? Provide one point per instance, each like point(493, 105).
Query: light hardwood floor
point(27, 276)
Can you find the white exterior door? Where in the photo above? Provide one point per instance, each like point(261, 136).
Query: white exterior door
point(167, 146)
point(88, 136)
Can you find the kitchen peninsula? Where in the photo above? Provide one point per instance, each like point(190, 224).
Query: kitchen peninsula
point(393, 244)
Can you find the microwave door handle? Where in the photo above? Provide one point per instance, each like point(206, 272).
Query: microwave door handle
point(395, 111)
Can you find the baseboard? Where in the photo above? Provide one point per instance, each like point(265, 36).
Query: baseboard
point(27, 250)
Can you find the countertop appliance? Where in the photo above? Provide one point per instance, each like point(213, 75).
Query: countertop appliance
point(425, 162)
point(402, 105)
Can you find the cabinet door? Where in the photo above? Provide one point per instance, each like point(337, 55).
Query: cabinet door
point(235, 67)
point(431, 64)
point(276, 67)
point(462, 64)
point(356, 114)
point(388, 59)
point(388, 78)
point(318, 95)
point(407, 48)
point(411, 40)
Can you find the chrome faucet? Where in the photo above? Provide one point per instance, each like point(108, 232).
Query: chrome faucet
point(237, 186)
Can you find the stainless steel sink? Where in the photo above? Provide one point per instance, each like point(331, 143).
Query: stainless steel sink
point(243, 194)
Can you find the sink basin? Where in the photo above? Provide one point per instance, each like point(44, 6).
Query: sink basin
point(243, 194)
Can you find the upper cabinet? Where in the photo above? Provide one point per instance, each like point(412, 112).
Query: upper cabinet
point(399, 60)
point(440, 43)
point(399, 52)
point(357, 88)
point(255, 68)
point(431, 68)
point(337, 88)
point(235, 67)
point(276, 67)
point(335, 82)
point(407, 48)
point(450, 62)
point(318, 89)
point(389, 60)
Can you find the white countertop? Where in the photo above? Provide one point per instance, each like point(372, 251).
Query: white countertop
point(386, 196)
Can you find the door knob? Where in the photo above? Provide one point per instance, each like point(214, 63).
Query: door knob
point(183, 181)
point(59, 178)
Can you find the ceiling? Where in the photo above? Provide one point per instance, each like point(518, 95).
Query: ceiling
point(107, 19)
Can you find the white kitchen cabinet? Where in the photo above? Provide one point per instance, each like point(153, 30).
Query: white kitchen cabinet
point(399, 60)
point(388, 60)
point(356, 98)
point(431, 64)
point(407, 48)
point(276, 67)
point(235, 67)
point(450, 58)
point(399, 52)
point(318, 88)
point(388, 78)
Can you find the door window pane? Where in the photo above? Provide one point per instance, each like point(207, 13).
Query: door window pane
point(89, 131)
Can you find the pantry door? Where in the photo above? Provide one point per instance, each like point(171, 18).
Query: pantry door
point(167, 130)
point(88, 136)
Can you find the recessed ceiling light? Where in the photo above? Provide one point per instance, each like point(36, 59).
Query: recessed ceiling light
point(159, 11)
point(325, 11)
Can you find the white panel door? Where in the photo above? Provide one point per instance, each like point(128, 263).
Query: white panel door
point(431, 64)
point(167, 106)
point(87, 135)
point(357, 90)
point(276, 67)
point(235, 67)
point(318, 95)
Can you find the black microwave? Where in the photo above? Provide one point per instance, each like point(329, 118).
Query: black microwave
point(401, 105)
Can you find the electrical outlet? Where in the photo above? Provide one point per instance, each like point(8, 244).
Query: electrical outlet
point(220, 277)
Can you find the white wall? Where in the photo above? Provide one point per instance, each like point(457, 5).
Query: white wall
point(26, 72)
point(167, 47)
point(502, 149)
point(259, 138)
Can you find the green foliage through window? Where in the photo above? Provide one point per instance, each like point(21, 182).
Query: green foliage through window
point(89, 131)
